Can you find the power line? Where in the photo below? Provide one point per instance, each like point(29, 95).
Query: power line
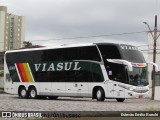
point(142, 45)
point(149, 49)
point(92, 36)
point(82, 37)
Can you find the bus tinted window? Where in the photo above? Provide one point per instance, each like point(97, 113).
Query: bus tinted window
point(131, 53)
point(63, 54)
point(109, 52)
point(75, 53)
point(24, 57)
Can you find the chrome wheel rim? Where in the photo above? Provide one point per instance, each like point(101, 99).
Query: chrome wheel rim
point(33, 93)
point(99, 94)
point(23, 93)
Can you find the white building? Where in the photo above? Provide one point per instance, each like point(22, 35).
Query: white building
point(12, 34)
point(150, 68)
point(12, 30)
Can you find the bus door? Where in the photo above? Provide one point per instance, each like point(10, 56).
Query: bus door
point(118, 76)
point(115, 90)
point(114, 86)
point(119, 91)
point(110, 89)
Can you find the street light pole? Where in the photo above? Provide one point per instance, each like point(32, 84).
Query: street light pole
point(154, 56)
point(154, 36)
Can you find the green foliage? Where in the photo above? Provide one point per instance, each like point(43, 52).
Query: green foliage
point(27, 44)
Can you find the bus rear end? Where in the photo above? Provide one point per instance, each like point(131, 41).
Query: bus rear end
point(9, 85)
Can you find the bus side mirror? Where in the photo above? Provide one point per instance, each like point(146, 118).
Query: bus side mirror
point(154, 64)
point(123, 62)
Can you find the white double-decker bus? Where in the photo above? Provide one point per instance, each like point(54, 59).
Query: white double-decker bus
point(97, 70)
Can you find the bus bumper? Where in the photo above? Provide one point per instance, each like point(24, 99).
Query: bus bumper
point(138, 95)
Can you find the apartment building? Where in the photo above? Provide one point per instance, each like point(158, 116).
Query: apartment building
point(12, 34)
point(12, 30)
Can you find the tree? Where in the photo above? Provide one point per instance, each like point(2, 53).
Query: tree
point(27, 44)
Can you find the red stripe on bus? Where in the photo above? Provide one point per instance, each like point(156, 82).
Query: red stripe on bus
point(22, 72)
point(19, 70)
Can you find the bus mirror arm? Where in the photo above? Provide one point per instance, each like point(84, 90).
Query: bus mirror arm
point(154, 64)
point(124, 62)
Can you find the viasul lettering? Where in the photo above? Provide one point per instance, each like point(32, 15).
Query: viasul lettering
point(129, 48)
point(57, 66)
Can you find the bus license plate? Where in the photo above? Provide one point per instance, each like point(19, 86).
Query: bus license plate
point(140, 96)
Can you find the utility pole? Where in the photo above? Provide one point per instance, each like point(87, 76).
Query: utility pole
point(154, 56)
point(155, 37)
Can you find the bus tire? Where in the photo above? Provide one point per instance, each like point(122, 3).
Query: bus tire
point(100, 95)
point(32, 93)
point(120, 99)
point(23, 92)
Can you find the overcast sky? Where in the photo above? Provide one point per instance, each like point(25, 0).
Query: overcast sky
point(54, 19)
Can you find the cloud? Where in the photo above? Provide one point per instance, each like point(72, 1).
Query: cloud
point(46, 19)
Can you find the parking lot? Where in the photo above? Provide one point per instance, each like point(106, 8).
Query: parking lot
point(14, 103)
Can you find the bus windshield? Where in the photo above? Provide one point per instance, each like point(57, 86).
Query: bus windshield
point(138, 76)
point(131, 54)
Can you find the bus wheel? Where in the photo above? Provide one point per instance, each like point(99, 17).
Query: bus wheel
point(100, 96)
point(23, 93)
point(120, 99)
point(33, 93)
point(53, 97)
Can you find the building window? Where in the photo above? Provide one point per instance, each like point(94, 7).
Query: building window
point(12, 23)
point(12, 18)
point(6, 37)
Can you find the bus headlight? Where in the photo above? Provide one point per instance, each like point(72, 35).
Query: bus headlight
point(131, 89)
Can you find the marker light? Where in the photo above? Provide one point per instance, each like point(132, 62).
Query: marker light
point(141, 64)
